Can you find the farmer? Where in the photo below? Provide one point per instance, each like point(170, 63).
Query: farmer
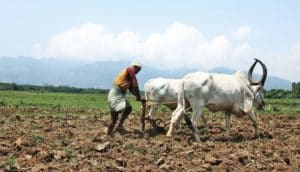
point(116, 96)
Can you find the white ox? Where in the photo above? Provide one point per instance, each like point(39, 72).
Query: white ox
point(233, 94)
point(161, 91)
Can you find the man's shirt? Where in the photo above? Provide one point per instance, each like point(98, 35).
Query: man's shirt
point(126, 79)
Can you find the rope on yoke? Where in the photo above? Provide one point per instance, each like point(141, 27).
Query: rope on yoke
point(160, 102)
point(166, 102)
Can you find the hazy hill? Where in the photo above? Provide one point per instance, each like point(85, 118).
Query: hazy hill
point(271, 82)
point(25, 70)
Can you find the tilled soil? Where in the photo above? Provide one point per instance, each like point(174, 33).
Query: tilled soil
point(37, 139)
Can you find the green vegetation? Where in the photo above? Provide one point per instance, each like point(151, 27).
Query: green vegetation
point(273, 93)
point(58, 100)
point(49, 88)
point(98, 101)
point(296, 89)
point(62, 97)
point(279, 93)
point(46, 99)
point(282, 106)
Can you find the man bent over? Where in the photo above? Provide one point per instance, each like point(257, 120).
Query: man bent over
point(126, 80)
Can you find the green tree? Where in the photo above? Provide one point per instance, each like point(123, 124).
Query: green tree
point(14, 86)
point(296, 89)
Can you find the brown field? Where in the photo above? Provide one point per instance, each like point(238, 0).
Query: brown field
point(37, 139)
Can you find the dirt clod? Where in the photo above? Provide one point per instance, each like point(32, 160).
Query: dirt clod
point(102, 147)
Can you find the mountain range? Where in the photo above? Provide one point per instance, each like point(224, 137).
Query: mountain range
point(27, 70)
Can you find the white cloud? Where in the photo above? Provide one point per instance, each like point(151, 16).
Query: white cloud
point(179, 45)
point(242, 32)
point(240, 50)
point(91, 42)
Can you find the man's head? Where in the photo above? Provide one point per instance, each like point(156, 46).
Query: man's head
point(137, 66)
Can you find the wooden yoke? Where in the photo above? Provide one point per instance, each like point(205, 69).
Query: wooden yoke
point(142, 119)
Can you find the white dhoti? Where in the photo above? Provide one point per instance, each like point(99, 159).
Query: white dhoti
point(116, 99)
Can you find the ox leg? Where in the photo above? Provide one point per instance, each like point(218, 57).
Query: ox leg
point(175, 116)
point(195, 118)
point(190, 125)
point(204, 119)
point(188, 121)
point(253, 118)
point(151, 115)
point(152, 111)
point(227, 122)
point(178, 124)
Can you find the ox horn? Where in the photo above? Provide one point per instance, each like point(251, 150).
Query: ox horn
point(264, 76)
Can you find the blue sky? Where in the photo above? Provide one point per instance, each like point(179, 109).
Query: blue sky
point(162, 33)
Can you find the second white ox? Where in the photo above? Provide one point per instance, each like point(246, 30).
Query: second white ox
point(162, 91)
point(159, 91)
point(220, 92)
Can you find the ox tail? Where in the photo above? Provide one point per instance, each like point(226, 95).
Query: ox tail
point(142, 117)
point(186, 117)
point(146, 91)
point(183, 98)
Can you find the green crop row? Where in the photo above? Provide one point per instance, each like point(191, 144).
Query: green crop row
point(57, 100)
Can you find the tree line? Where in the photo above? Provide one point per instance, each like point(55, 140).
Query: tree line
point(273, 93)
point(280, 93)
point(49, 88)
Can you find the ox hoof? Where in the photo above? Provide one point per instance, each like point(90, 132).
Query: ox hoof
point(169, 135)
point(197, 138)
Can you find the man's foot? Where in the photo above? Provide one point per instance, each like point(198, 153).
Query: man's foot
point(109, 131)
point(121, 130)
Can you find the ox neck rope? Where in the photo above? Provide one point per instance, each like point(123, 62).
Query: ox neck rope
point(160, 102)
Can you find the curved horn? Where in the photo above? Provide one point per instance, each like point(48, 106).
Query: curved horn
point(252, 82)
point(264, 76)
point(265, 72)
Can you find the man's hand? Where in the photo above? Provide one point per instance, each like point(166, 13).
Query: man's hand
point(141, 99)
